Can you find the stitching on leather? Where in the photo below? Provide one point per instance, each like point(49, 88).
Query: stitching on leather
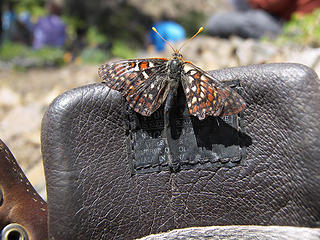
point(19, 175)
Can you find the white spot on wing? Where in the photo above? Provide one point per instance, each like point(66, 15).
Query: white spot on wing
point(190, 79)
point(145, 75)
point(187, 90)
point(194, 88)
point(194, 99)
point(203, 78)
point(136, 68)
point(151, 64)
point(187, 68)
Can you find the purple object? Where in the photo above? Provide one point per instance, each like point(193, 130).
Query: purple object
point(50, 31)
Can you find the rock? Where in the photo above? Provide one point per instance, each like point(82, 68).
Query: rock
point(208, 53)
point(21, 120)
point(251, 51)
point(50, 96)
point(20, 130)
point(239, 232)
point(308, 56)
point(8, 98)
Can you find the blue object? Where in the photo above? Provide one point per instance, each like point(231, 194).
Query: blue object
point(8, 18)
point(170, 31)
point(25, 18)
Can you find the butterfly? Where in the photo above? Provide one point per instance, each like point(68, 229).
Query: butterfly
point(148, 83)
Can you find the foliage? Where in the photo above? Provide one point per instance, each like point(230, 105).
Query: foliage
point(95, 38)
point(72, 23)
point(94, 56)
point(303, 30)
point(23, 56)
point(121, 49)
point(34, 7)
point(118, 20)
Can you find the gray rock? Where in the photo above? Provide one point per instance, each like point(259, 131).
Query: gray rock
point(20, 130)
point(240, 232)
point(251, 51)
point(8, 97)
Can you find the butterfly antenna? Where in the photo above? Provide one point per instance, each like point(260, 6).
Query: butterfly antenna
point(199, 31)
point(155, 30)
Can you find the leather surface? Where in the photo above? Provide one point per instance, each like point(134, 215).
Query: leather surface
point(19, 202)
point(92, 194)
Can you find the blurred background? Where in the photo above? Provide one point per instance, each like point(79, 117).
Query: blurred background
point(50, 46)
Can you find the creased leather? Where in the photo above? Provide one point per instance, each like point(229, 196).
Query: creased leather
point(20, 202)
point(92, 194)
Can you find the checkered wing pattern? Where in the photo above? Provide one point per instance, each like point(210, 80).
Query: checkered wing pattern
point(206, 96)
point(143, 82)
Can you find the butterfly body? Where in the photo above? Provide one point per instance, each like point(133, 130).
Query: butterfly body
point(146, 84)
point(175, 66)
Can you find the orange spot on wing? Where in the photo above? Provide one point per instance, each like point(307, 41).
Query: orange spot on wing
point(196, 76)
point(132, 75)
point(195, 109)
point(198, 87)
point(143, 65)
point(141, 100)
point(211, 90)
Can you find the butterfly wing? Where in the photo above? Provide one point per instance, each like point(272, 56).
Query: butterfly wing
point(143, 82)
point(207, 96)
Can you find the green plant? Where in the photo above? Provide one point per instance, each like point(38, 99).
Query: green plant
point(34, 7)
point(9, 50)
point(96, 38)
point(23, 56)
point(121, 49)
point(303, 30)
point(94, 55)
point(72, 24)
